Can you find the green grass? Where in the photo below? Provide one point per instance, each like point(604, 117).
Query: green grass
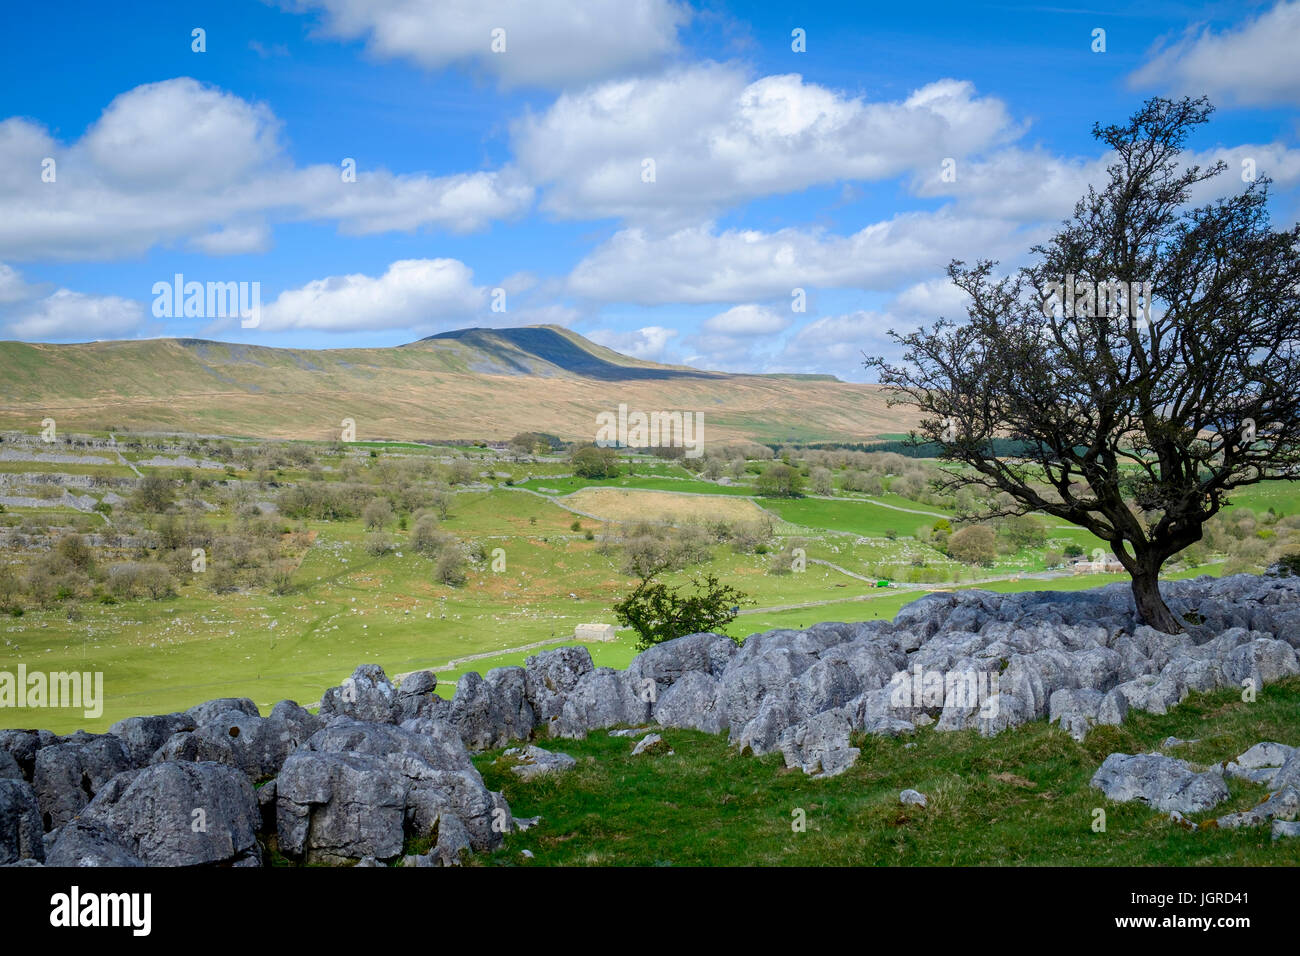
point(1019, 799)
point(640, 482)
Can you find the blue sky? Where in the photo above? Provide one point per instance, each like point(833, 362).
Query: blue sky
point(524, 170)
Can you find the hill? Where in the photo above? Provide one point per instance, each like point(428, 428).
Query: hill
point(468, 384)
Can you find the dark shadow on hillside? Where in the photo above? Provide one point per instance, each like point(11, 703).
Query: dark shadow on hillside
point(549, 346)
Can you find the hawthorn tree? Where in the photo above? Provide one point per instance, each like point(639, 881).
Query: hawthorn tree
point(1136, 409)
point(659, 613)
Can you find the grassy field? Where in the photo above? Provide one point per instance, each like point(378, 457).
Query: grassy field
point(1021, 798)
point(346, 606)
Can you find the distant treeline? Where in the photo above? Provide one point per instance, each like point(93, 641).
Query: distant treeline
point(1002, 447)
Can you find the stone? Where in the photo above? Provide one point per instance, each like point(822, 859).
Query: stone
point(820, 745)
point(1075, 710)
point(549, 679)
point(82, 843)
point(367, 695)
point(205, 712)
point(67, 775)
point(600, 699)
point(912, 798)
point(494, 710)
point(1285, 829)
point(339, 807)
point(691, 702)
point(180, 814)
point(9, 768)
point(142, 736)
point(20, 823)
point(1162, 782)
point(533, 762)
point(651, 744)
point(666, 663)
point(1267, 754)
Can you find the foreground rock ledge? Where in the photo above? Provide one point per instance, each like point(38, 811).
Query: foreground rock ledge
point(383, 767)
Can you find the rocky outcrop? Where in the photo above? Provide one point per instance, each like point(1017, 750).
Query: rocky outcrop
point(180, 814)
point(20, 823)
point(383, 772)
point(1163, 782)
point(359, 789)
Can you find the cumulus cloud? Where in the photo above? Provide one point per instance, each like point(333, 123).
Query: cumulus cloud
point(1027, 185)
point(234, 240)
point(700, 264)
point(413, 293)
point(649, 343)
point(1252, 64)
point(716, 138)
point(746, 320)
point(31, 312)
point(12, 286)
point(181, 160)
point(72, 315)
point(547, 42)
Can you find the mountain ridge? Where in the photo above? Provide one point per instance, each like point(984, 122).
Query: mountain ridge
point(481, 382)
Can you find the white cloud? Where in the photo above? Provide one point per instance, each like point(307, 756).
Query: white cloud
point(1252, 64)
point(699, 264)
point(648, 343)
point(12, 286)
point(234, 240)
point(838, 344)
point(414, 293)
point(547, 42)
point(932, 299)
point(180, 160)
point(746, 320)
point(717, 139)
point(1024, 185)
point(71, 315)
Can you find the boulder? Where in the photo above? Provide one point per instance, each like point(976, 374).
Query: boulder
point(411, 776)
point(82, 843)
point(367, 695)
point(1162, 782)
point(180, 814)
point(666, 663)
point(820, 745)
point(416, 697)
point(67, 775)
point(256, 746)
point(20, 823)
point(533, 762)
point(491, 711)
point(205, 712)
point(339, 807)
point(1075, 710)
point(9, 769)
point(22, 746)
point(142, 736)
point(549, 679)
point(1262, 661)
point(691, 701)
point(601, 699)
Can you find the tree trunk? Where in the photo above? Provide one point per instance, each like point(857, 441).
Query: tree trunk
point(1151, 607)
